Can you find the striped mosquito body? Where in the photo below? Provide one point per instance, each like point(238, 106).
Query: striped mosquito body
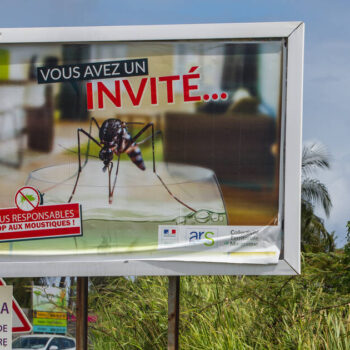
point(135, 155)
point(115, 140)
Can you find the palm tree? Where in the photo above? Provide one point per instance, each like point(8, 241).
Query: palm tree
point(314, 236)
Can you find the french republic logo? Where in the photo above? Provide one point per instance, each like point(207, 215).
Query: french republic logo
point(32, 220)
point(169, 232)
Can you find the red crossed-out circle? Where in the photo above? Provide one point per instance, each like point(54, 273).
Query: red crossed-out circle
point(23, 203)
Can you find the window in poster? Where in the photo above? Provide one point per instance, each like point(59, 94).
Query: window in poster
point(182, 149)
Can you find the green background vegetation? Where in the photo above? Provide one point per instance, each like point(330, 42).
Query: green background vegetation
point(310, 311)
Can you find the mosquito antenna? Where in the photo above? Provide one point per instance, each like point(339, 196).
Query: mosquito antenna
point(71, 151)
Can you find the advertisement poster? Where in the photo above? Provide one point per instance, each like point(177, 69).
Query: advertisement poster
point(172, 150)
point(49, 310)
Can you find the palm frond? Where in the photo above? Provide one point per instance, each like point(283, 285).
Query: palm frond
point(314, 235)
point(315, 192)
point(315, 156)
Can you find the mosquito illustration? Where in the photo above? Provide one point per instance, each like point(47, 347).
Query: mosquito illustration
point(115, 140)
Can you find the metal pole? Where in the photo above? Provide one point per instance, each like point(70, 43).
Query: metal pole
point(173, 312)
point(82, 313)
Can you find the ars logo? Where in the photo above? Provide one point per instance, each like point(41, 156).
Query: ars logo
point(206, 237)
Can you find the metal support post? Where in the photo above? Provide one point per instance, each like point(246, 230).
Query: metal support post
point(82, 313)
point(173, 312)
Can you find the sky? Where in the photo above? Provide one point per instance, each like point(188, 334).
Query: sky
point(326, 72)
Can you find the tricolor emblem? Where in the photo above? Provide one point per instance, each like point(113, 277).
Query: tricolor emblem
point(172, 231)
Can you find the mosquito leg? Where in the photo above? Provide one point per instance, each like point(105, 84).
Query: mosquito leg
point(150, 125)
point(79, 159)
point(88, 145)
point(110, 193)
point(148, 138)
point(115, 181)
point(95, 121)
point(79, 169)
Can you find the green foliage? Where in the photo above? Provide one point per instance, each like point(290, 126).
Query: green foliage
point(310, 311)
point(314, 238)
point(347, 245)
point(347, 256)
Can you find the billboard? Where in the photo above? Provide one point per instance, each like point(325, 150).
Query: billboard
point(151, 150)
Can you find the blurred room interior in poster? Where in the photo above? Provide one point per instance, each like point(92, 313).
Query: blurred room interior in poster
point(216, 107)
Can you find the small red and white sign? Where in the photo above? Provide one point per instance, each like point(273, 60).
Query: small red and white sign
point(34, 221)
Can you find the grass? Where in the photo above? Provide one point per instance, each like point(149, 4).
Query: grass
point(310, 311)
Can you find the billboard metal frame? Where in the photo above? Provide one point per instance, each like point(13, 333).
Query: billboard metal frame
point(110, 265)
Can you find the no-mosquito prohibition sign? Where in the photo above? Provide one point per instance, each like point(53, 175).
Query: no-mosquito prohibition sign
point(27, 198)
point(30, 220)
